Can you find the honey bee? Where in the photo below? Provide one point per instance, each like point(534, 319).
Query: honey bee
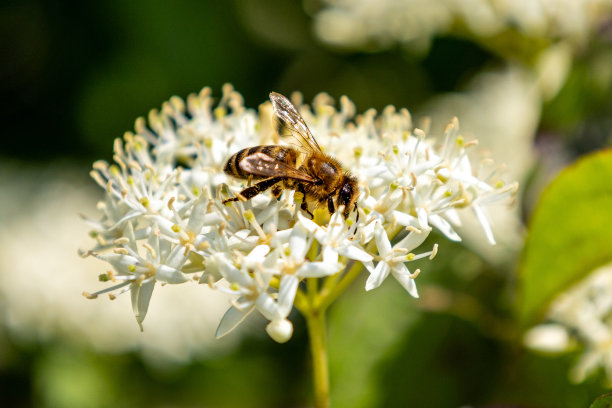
point(319, 177)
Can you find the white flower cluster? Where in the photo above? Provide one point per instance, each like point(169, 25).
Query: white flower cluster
point(382, 23)
point(163, 219)
point(582, 317)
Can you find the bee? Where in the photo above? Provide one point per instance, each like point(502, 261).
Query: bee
point(319, 177)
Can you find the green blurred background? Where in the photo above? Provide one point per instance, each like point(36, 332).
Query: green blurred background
point(75, 75)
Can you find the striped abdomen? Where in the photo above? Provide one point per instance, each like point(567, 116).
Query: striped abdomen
point(281, 153)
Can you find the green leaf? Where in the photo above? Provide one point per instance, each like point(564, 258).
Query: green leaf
point(604, 401)
point(570, 233)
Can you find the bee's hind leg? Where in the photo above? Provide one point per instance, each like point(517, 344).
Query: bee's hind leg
point(276, 191)
point(252, 191)
point(304, 205)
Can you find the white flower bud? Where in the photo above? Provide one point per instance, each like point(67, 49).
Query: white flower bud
point(548, 338)
point(280, 330)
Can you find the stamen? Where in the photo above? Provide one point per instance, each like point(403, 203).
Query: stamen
point(89, 295)
point(434, 251)
point(250, 217)
point(98, 178)
point(149, 248)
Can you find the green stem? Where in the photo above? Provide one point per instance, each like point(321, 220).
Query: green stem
point(331, 294)
point(315, 320)
point(313, 303)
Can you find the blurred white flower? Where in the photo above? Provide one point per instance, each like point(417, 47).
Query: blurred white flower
point(548, 338)
point(502, 108)
point(582, 314)
point(163, 219)
point(361, 24)
point(41, 294)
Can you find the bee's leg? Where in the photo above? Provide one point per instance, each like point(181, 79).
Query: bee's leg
point(346, 214)
point(330, 204)
point(276, 191)
point(304, 208)
point(304, 205)
point(252, 191)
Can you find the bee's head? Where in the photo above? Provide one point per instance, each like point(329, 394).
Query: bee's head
point(348, 194)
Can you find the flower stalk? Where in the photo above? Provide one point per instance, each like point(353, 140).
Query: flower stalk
point(315, 315)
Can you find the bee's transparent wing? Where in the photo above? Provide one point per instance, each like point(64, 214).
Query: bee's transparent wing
point(290, 118)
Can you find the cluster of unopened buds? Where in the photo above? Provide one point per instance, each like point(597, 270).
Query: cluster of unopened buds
point(164, 219)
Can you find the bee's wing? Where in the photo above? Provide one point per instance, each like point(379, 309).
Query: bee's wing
point(263, 165)
point(290, 117)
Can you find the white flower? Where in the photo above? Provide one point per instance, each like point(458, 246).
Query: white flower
point(580, 316)
point(163, 218)
point(393, 258)
point(335, 239)
point(139, 273)
point(548, 337)
point(382, 23)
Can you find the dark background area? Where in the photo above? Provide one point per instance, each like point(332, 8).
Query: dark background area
point(76, 75)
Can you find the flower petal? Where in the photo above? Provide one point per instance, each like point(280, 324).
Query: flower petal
point(353, 252)
point(402, 274)
point(422, 217)
point(198, 214)
point(330, 254)
point(286, 294)
point(382, 240)
point(167, 274)
point(413, 239)
point(141, 296)
point(405, 219)
point(256, 256)
point(307, 224)
point(299, 243)
point(484, 222)
point(319, 269)
point(231, 319)
point(268, 307)
point(444, 227)
point(378, 276)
